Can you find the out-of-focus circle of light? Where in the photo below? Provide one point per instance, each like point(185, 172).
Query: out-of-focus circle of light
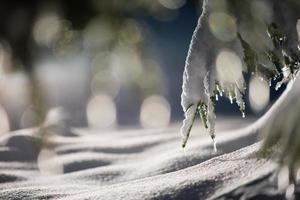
point(298, 28)
point(2, 58)
point(222, 26)
point(46, 29)
point(5, 58)
point(126, 65)
point(104, 81)
point(261, 10)
point(14, 91)
point(130, 32)
point(45, 166)
point(97, 33)
point(101, 112)
point(29, 117)
point(172, 4)
point(105, 84)
point(4, 121)
point(155, 112)
point(259, 94)
point(229, 66)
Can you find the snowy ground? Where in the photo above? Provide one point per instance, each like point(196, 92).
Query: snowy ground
point(130, 164)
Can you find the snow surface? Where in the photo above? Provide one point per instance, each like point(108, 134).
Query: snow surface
point(129, 164)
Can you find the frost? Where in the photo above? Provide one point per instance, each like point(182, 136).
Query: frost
point(206, 110)
point(214, 68)
point(194, 98)
point(188, 123)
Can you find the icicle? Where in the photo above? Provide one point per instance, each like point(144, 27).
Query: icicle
point(286, 71)
point(278, 85)
point(215, 145)
point(217, 87)
point(210, 114)
point(270, 82)
point(203, 114)
point(203, 106)
point(211, 118)
point(240, 101)
point(231, 99)
point(287, 76)
point(219, 91)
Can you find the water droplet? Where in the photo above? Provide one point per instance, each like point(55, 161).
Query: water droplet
point(217, 97)
point(243, 114)
point(278, 85)
point(218, 87)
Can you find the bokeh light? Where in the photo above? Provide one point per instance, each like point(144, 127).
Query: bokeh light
point(172, 4)
point(5, 58)
point(101, 112)
point(298, 28)
point(229, 67)
point(219, 5)
point(154, 81)
point(68, 43)
point(30, 117)
point(222, 26)
point(130, 32)
point(4, 121)
point(261, 10)
point(104, 81)
point(46, 29)
point(58, 78)
point(98, 33)
point(126, 64)
point(14, 91)
point(155, 112)
point(259, 93)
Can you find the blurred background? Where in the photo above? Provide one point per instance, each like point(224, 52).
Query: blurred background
point(102, 64)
